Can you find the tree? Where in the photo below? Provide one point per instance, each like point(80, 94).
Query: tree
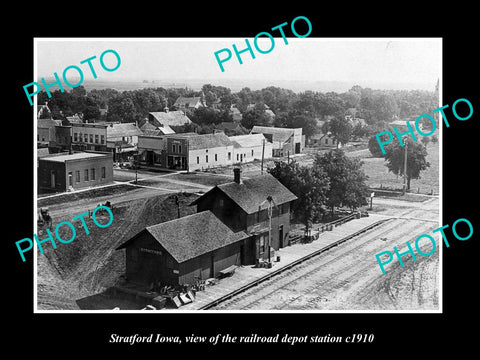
point(228, 100)
point(210, 98)
point(121, 108)
point(359, 131)
point(329, 103)
point(352, 97)
point(341, 129)
point(101, 97)
point(416, 159)
point(91, 110)
point(356, 188)
point(425, 140)
point(209, 116)
point(245, 97)
point(346, 177)
point(374, 147)
point(147, 100)
point(294, 119)
point(256, 116)
point(305, 102)
point(385, 107)
point(307, 123)
point(204, 116)
point(308, 184)
point(286, 173)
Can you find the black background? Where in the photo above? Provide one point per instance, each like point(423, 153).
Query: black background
point(88, 334)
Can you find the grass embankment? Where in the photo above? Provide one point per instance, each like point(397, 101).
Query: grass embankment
point(90, 263)
point(380, 177)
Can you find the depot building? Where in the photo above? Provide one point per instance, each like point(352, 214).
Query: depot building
point(231, 228)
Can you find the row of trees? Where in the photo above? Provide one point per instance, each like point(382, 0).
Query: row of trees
point(291, 109)
point(337, 180)
point(333, 180)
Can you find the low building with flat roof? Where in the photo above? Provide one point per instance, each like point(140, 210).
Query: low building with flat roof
point(58, 173)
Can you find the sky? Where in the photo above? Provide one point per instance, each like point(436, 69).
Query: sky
point(360, 61)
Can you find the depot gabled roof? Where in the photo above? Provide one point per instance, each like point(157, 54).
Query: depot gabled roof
point(250, 194)
point(190, 236)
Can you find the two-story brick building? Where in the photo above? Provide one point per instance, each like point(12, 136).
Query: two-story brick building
point(53, 135)
point(89, 136)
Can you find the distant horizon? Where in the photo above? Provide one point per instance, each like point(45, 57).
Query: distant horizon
point(317, 64)
point(236, 85)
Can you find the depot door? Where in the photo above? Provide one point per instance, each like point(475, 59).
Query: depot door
point(280, 236)
point(52, 179)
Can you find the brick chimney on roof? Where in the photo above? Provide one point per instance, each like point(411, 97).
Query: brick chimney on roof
point(237, 175)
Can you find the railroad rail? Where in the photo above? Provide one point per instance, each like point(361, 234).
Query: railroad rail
point(289, 266)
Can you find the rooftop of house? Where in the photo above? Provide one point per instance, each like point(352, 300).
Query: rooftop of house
point(267, 109)
point(48, 123)
point(74, 119)
point(170, 118)
point(247, 140)
point(150, 129)
point(90, 125)
point(187, 101)
point(160, 131)
point(278, 134)
point(234, 110)
point(123, 129)
point(42, 152)
point(191, 236)
point(74, 156)
point(355, 121)
point(251, 106)
point(250, 194)
point(205, 141)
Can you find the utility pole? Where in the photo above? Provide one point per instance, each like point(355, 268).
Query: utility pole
point(405, 167)
point(271, 204)
point(270, 209)
point(135, 158)
point(178, 206)
point(263, 153)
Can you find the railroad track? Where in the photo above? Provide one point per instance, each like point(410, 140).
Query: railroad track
point(282, 272)
point(309, 268)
